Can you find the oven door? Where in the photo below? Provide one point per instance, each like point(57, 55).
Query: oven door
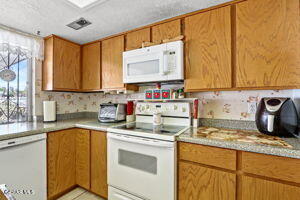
point(142, 167)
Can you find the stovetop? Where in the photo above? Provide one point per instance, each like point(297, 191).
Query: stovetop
point(141, 129)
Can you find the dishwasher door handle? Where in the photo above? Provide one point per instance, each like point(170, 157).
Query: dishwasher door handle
point(22, 140)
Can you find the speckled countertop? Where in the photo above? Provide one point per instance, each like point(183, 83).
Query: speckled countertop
point(243, 140)
point(287, 147)
point(10, 131)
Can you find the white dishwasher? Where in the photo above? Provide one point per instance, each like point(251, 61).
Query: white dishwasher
point(23, 167)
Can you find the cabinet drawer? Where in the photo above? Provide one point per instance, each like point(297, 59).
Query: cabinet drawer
point(218, 157)
point(271, 166)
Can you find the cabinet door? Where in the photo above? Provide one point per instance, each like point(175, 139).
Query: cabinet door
point(135, 39)
point(166, 30)
point(112, 63)
point(66, 72)
point(91, 72)
point(259, 189)
point(208, 50)
point(60, 161)
point(197, 182)
point(268, 43)
point(99, 163)
point(83, 158)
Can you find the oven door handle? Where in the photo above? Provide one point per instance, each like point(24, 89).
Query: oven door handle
point(144, 141)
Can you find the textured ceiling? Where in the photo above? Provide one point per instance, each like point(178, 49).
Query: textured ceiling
point(109, 17)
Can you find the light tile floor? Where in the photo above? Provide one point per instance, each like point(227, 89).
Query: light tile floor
point(79, 194)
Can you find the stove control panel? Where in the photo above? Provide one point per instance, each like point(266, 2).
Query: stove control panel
point(171, 109)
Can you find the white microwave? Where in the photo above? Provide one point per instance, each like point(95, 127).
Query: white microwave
point(157, 63)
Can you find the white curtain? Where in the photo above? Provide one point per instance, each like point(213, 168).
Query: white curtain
point(23, 44)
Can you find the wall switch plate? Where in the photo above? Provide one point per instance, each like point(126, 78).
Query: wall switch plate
point(252, 106)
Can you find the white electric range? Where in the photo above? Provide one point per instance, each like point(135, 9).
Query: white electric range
point(142, 157)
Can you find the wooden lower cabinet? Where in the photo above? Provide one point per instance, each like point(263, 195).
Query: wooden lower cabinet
point(259, 189)
point(61, 160)
point(99, 163)
point(256, 176)
point(197, 183)
point(83, 158)
point(76, 157)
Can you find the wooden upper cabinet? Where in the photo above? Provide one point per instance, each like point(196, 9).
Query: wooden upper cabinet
point(208, 50)
point(61, 67)
point(166, 30)
point(135, 39)
point(268, 43)
point(112, 59)
point(91, 71)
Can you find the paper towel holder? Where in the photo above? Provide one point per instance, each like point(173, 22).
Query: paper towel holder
point(49, 111)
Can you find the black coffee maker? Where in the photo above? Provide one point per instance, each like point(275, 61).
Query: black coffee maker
point(277, 116)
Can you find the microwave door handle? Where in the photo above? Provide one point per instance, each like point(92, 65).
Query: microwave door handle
point(161, 144)
point(163, 63)
point(166, 61)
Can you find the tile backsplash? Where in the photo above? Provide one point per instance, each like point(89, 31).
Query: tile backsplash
point(231, 105)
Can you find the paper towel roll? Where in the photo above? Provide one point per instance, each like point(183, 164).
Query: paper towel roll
point(49, 108)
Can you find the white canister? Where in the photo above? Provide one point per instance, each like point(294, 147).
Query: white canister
point(49, 109)
point(157, 119)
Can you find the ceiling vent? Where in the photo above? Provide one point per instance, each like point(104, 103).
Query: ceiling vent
point(78, 24)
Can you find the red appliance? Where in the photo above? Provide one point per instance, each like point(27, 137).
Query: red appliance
point(130, 108)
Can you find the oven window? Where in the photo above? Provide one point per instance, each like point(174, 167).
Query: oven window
point(143, 68)
point(138, 161)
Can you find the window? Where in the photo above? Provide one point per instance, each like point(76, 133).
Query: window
point(15, 88)
point(18, 51)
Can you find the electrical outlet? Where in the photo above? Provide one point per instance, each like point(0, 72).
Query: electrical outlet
point(252, 107)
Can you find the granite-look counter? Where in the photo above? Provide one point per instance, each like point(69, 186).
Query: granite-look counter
point(287, 147)
point(15, 130)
